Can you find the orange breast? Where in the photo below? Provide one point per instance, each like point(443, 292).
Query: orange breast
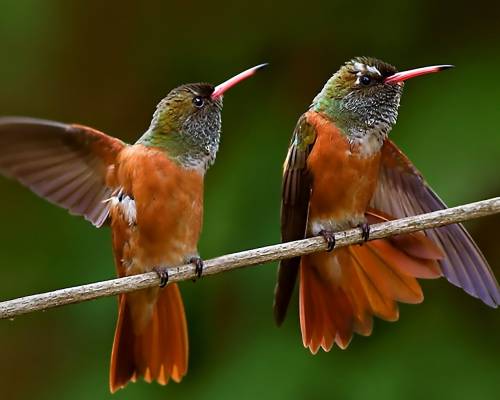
point(169, 210)
point(344, 180)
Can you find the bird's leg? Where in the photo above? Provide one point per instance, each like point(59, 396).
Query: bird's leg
point(329, 237)
point(163, 274)
point(198, 263)
point(365, 231)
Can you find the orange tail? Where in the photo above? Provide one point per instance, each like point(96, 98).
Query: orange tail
point(340, 292)
point(159, 351)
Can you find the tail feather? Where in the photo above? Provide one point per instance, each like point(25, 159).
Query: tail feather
point(403, 263)
point(363, 317)
point(157, 352)
point(318, 326)
point(177, 336)
point(386, 280)
point(340, 292)
point(416, 244)
point(122, 359)
point(379, 304)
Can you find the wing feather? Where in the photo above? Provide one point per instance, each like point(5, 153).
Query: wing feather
point(403, 192)
point(294, 210)
point(65, 164)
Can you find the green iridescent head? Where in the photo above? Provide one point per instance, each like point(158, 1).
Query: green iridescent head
point(363, 95)
point(364, 75)
point(357, 98)
point(187, 123)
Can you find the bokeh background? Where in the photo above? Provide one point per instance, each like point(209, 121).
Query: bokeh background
point(107, 64)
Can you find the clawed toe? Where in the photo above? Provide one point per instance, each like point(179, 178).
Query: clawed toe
point(198, 263)
point(163, 274)
point(365, 231)
point(329, 236)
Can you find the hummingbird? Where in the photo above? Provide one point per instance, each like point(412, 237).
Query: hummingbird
point(149, 193)
point(342, 172)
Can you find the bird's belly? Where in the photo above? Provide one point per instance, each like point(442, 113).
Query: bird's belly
point(168, 217)
point(343, 185)
point(167, 232)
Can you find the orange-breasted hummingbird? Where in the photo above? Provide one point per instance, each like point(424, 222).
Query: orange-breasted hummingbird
point(343, 172)
point(150, 193)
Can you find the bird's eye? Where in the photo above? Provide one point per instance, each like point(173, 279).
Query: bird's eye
point(198, 101)
point(365, 80)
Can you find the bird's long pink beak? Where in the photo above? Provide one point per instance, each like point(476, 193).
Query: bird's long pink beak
point(223, 87)
point(412, 73)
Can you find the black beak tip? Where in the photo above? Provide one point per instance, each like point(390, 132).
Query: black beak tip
point(443, 67)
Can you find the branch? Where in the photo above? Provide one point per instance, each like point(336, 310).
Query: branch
point(77, 294)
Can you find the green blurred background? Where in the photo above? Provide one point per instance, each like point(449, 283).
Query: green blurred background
point(107, 64)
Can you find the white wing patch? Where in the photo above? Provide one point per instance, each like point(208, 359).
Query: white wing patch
point(126, 204)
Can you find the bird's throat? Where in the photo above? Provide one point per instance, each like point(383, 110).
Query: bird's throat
point(364, 130)
point(179, 148)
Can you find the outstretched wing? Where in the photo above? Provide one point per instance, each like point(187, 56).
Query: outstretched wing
point(65, 164)
point(402, 192)
point(294, 209)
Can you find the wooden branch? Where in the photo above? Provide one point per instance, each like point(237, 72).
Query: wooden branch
point(77, 294)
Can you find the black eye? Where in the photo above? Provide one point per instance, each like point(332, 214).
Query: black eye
point(365, 80)
point(198, 101)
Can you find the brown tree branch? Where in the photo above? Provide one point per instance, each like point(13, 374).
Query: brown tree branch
point(77, 294)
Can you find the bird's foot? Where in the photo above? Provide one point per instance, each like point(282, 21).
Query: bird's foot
point(163, 274)
point(329, 237)
point(365, 231)
point(198, 263)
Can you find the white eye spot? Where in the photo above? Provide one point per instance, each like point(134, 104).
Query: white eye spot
point(363, 72)
point(360, 67)
point(373, 70)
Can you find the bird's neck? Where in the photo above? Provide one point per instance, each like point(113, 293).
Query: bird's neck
point(180, 147)
point(356, 121)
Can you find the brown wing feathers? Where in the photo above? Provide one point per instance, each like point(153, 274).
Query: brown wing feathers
point(66, 164)
point(294, 209)
point(402, 192)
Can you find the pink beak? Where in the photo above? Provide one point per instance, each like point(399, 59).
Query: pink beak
point(412, 73)
point(223, 87)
